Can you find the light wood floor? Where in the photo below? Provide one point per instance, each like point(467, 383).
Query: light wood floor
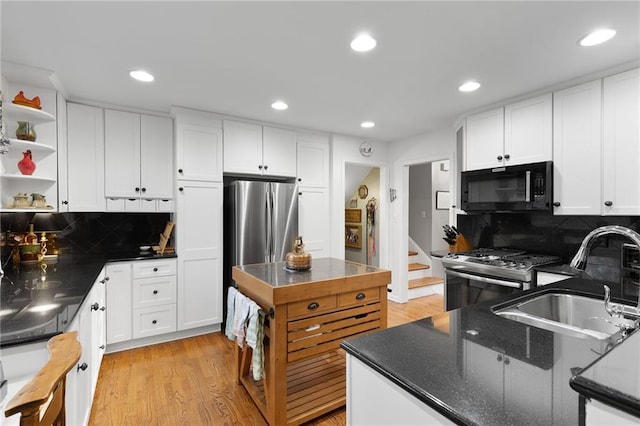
point(190, 381)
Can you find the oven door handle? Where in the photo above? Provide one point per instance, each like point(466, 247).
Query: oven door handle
point(484, 279)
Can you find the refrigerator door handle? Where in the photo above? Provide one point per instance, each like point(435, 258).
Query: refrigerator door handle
point(268, 226)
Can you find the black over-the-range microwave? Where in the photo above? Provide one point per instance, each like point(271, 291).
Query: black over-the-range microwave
point(521, 188)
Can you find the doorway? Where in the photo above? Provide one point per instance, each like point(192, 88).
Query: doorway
point(427, 211)
point(361, 203)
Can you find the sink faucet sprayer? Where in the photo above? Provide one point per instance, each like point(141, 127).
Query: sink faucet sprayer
point(579, 262)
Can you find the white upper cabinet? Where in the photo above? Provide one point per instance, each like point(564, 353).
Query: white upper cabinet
point(519, 133)
point(597, 147)
point(621, 144)
point(278, 151)
point(198, 145)
point(313, 160)
point(528, 131)
point(485, 140)
point(81, 174)
point(577, 149)
point(257, 150)
point(128, 138)
point(242, 148)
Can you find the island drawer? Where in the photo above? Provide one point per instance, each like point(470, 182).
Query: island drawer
point(312, 306)
point(359, 297)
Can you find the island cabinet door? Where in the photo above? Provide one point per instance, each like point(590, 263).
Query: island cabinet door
point(375, 400)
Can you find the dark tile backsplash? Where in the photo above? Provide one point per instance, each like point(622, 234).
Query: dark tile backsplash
point(549, 234)
point(95, 233)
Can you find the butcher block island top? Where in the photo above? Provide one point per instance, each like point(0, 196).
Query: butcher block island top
point(308, 314)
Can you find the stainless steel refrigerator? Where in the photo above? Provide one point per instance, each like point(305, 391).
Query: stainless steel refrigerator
point(263, 221)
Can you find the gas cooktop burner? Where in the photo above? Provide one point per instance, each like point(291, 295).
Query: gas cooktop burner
point(504, 263)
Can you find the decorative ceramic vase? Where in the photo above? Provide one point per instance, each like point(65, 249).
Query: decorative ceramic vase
point(26, 131)
point(26, 165)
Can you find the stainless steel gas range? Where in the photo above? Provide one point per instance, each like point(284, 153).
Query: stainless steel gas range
point(486, 274)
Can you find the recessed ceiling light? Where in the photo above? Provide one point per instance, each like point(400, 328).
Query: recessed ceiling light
point(367, 124)
point(279, 105)
point(597, 37)
point(363, 43)
point(469, 86)
point(141, 75)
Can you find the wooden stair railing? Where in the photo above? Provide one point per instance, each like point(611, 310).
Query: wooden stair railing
point(41, 400)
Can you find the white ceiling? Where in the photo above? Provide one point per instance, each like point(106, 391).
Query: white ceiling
point(236, 58)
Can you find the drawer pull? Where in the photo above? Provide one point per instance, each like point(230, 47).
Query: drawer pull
point(313, 306)
point(155, 269)
point(360, 296)
point(155, 291)
point(102, 346)
point(103, 308)
point(95, 306)
point(154, 322)
point(82, 366)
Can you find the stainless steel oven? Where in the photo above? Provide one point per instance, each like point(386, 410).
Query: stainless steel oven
point(485, 275)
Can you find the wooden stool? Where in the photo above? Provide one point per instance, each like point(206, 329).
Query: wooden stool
point(41, 401)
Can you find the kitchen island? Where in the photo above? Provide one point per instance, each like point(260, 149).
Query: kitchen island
point(470, 366)
point(308, 314)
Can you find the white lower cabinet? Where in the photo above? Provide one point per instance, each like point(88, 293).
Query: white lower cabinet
point(374, 400)
point(119, 295)
point(141, 297)
point(199, 244)
point(313, 220)
point(89, 322)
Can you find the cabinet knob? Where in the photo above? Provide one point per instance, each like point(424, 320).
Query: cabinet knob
point(65, 202)
point(155, 291)
point(266, 167)
point(360, 296)
point(499, 157)
point(299, 179)
point(102, 281)
point(137, 189)
point(180, 171)
point(556, 204)
point(95, 306)
point(181, 189)
point(507, 156)
point(155, 269)
point(82, 366)
point(104, 308)
point(106, 278)
point(144, 189)
point(154, 322)
point(102, 347)
point(608, 203)
point(313, 306)
point(299, 193)
point(260, 166)
point(506, 361)
point(499, 358)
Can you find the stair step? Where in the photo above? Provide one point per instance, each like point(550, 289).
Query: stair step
point(425, 281)
point(412, 253)
point(417, 266)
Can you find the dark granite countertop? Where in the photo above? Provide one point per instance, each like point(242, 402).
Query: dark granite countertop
point(613, 378)
point(38, 303)
point(450, 362)
point(561, 269)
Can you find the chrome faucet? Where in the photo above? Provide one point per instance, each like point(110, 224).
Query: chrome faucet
point(580, 259)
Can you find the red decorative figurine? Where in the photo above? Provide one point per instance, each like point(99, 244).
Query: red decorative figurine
point(26, 165)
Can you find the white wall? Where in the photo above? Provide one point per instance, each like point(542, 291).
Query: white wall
point(345, 149)
point(423, 148)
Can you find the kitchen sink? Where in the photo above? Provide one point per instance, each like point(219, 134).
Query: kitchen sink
point(570, 314)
